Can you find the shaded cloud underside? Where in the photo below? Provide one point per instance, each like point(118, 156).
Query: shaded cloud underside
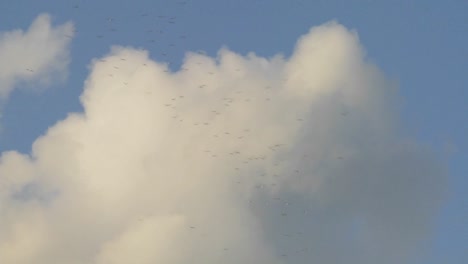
point(233, 159)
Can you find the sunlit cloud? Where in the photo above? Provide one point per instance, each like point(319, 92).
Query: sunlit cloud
point(232, 159)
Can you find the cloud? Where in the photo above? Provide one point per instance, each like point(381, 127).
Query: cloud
point(35, 57)
point(233, 159)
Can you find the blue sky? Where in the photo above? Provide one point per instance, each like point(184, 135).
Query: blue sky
point(419, 45)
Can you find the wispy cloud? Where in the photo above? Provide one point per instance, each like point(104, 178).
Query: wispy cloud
point(233, 159)
point(35, 57)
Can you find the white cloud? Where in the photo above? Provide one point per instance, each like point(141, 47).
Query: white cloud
point(35, 57)
point(234, 159)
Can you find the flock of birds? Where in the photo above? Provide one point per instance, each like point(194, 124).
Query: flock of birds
point(158, 30)
point(241, 162)
point(257, 172)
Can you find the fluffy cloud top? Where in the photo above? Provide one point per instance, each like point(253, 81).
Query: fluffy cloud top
point(36, 56)
point(233, 159)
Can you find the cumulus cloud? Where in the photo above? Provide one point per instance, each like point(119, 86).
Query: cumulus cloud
point(35, 57)
point(233, 159)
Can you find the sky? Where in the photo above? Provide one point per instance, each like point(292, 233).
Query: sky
point(233, 131)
